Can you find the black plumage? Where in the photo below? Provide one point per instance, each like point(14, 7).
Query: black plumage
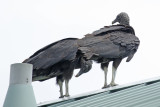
point(110, 43)
point(58, 59)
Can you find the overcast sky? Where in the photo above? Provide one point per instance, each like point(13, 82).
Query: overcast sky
point(28, 25)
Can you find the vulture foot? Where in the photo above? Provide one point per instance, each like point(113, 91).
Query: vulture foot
point(105, 86)
point(113, 84)
point(61, 96)
point(66, 95)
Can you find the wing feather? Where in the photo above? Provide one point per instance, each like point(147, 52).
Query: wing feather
point(60, 51)
point(111, 45)
point(109, 29)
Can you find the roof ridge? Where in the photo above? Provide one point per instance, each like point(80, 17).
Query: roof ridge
point(111, 89)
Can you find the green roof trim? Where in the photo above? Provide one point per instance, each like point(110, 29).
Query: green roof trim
point(140, 94)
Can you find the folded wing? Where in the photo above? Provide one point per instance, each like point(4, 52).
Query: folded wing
point(59, 51)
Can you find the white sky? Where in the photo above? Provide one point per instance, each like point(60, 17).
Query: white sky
point(28, 25)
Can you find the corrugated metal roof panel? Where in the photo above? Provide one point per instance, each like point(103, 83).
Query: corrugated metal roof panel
point(127, 98)
point(146, 94)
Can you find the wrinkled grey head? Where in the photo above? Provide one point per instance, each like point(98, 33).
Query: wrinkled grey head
point(85, 67)
point(122, 18)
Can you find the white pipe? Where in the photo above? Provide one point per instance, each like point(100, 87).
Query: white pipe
point(21, 73)
point(20, 92)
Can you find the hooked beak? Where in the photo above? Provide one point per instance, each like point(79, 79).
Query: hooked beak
point(79, 73)
point(114, 21)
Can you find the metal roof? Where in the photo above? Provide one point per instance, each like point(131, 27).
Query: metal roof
point(140, 94)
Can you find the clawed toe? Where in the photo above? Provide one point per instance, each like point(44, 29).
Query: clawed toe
point(66, 95)
point(106, 86)
point(61, 96)
point(113, 84)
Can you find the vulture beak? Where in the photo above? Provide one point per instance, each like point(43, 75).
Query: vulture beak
point(79, 73)
point(85, 67)
point(114, 21)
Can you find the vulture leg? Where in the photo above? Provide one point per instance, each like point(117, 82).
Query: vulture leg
point(67, 76)
point(60, 83)
point(67, 88)
point(104, 66)
point(114, 69)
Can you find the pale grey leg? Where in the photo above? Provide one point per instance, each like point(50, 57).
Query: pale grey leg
point(105, 78)
point(113, 76)
point(60, 83)
point(114, 69)
point(67, 88)
point(104, 66)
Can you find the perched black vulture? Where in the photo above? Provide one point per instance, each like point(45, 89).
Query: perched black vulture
point(122, 18)
point(58, 60)
point(111, 43)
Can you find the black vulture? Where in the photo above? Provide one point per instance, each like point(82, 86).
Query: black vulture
point(58, 59)
point(122, 18)
point(111, 43)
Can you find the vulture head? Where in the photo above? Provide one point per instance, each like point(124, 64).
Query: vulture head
point(122, 18)
point(85, 67)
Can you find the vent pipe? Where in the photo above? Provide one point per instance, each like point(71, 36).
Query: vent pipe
point(20, 92)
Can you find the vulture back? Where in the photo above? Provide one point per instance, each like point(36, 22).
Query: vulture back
point(117, 41)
